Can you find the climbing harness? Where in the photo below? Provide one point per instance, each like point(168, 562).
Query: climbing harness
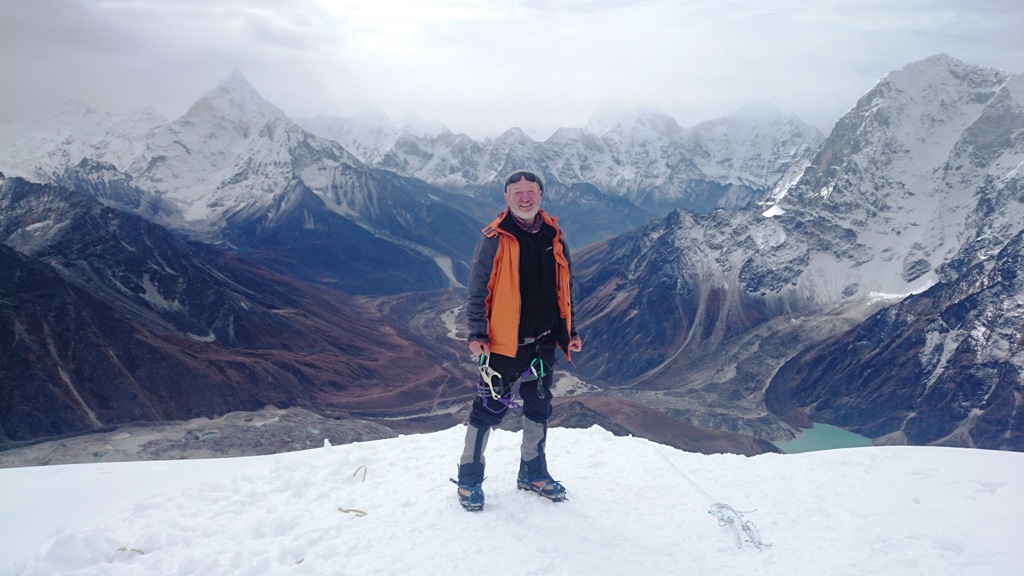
point(486, 386)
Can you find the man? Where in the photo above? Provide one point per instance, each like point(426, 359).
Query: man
point(520, 308)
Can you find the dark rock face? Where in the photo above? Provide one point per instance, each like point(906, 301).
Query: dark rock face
point(389, 249)
point(918, 184)
point(944, 367)
point(300, 238)
point(587, 215)
point(109, 319)
point(624, 418)
point(680, 287)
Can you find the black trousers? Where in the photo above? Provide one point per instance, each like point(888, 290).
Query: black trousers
point(487, 412)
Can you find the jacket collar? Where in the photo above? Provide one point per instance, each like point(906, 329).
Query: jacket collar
point(494, 228)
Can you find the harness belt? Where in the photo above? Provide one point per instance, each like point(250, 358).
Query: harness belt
point(506, 395)
point(532, 339)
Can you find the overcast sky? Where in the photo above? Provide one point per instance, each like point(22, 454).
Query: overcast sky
point(482, 66)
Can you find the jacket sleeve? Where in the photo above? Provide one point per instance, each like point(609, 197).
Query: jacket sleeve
point(572, 289)
point(477, 292)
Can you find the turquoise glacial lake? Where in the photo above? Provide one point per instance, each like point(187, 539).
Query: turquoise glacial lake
point(823, 437)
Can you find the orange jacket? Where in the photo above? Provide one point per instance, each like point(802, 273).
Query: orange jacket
point(501, 300)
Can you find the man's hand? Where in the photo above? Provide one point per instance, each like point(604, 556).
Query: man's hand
point(576, 344)
point(477, 347)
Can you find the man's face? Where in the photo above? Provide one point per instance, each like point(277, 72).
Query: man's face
point(523, 198)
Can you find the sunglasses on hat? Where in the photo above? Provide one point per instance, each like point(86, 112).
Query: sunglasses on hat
point(530, 177)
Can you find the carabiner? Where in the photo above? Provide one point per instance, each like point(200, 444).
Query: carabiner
point(488, 373)
point(534, 370)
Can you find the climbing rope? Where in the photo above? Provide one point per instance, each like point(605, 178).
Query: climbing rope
point(356, 473)
point(744, 530)
point(359, 513)
point(729, 516)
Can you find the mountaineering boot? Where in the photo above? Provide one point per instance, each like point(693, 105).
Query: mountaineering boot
point(471, 469)
point(533, 468)
point(534, 476)
point(548, 488)
point(470, 497)
point(471, 479)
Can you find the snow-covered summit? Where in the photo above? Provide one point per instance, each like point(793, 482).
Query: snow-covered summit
point(911, 168)
point(387, 507)
point(371, 135)
point(752, 146)
point(234, 104)
point(42, 146)
point(641, 155)
point(641, 125)
point(422, 128)
point(200, 159)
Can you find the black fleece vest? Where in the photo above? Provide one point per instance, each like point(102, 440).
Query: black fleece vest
point(539, 301)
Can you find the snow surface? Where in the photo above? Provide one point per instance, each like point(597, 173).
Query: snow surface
point(387, 507)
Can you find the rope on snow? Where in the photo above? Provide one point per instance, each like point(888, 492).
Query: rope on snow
point(356, 511)
point(725, 514)
point(729, 516)
point(356, 473)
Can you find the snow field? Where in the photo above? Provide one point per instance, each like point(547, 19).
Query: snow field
point(387, 507)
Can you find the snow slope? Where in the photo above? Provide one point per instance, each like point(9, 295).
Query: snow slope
point(635, 507)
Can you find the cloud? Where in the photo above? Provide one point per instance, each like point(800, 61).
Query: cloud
point(483, 66)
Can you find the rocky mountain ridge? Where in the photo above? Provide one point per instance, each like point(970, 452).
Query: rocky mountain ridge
point(233, 152)
point(126, 341)
point(236, 173)
point(691, 315)
point(941, 367)
point(646, 157)
point(234, 170)
point(901, 195)
point(108, 319)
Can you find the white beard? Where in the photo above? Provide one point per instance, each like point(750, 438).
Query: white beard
point(527, 216)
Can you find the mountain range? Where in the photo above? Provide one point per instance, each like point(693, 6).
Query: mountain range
point(109, 319)
point(322, 253)
point(645, 157)
point(916, 185)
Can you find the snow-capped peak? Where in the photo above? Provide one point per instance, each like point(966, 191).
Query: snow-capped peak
point(373, 116)
point(231, 149)
point(906, 167)
point(235, 99)
point(421, 128)
point(638, 124)
point(42, 146)
point(939, 68)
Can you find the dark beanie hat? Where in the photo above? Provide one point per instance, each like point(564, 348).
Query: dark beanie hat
point(536, 177)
